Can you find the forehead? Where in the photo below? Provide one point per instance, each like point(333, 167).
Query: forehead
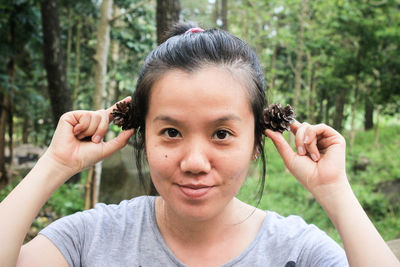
point(215, 88)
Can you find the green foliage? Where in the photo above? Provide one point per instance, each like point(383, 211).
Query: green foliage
point(68, 199)
point(136, 37)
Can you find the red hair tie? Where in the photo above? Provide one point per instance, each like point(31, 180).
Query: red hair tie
point(193, 30)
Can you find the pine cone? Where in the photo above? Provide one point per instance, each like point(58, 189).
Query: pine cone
point(278, 118)
point(123, 115)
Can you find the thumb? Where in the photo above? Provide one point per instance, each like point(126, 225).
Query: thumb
point(117, 143)
point(284, 149)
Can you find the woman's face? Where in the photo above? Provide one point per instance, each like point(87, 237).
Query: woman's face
point(199, 140)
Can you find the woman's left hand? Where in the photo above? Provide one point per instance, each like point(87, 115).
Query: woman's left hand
point(319, 164)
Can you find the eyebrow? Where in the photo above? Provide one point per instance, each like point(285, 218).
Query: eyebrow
point(165, 118)
point(217, 121)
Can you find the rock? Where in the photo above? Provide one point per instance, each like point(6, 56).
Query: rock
point(119, 177)
point(391, 189)
point(394, 245)
point(361, 164)
point(25, 156)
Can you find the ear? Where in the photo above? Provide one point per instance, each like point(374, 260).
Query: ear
point(256, 152)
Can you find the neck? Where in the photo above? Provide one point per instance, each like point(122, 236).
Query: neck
point(191, 231)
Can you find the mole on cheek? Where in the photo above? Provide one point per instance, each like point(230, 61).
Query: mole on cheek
point(166, 156)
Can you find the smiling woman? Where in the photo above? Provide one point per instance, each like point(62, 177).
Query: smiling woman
point(209, 151)
point(197, 115)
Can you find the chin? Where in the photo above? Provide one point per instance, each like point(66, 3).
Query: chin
point(199, 212)
point(197, 209)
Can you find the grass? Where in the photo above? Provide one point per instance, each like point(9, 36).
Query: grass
point(283, 194)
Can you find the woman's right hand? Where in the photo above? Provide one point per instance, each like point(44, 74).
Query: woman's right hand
point(70, 147)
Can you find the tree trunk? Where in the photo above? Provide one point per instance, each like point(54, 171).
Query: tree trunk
point(25, 129)
point(103, 45)
point(113, 87)
point(3, 123)
point(60, 99)
point(313, 92)
point(320, 110)
point(216, 13)
point(378, 115)
point(369, 113)
point(309, 85)
point(167, 15)
point(327, 107)
point(102, 48)
point(7, 106)
point(224, 15)
point(69, 39)
point(271, 83)
point(77, 71)
point(354, 110)
point(339, 108)
point(10, 73)
point(299, 54)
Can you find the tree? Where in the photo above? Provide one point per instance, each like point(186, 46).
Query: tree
point(167, 15)
point(16, 30)
point(102, 48)
point(299, 53)
point(224, 14)
point(60, 97)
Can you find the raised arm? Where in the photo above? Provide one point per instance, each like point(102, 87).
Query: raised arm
point(319, 165)
point(67, 155)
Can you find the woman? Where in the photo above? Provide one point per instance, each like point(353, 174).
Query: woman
point(198, 120)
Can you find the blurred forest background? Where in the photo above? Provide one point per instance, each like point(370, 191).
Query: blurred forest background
point(335, 61)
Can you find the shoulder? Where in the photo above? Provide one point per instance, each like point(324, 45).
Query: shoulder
point(294, 230)
point(102, 228)
point(131, 207)
point(303, 243)
point(290, 226)
point(109, 215)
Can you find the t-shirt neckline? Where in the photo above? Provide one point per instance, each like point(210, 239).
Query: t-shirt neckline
point(172, 256)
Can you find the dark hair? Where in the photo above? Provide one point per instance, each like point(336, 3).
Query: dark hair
point(189, 51)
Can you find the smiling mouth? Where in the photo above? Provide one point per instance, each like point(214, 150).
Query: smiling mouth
point(194, 191)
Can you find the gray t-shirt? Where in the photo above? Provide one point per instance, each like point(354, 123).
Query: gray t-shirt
point(127, 235)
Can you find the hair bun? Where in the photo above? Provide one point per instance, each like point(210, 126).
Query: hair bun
point(180, 28)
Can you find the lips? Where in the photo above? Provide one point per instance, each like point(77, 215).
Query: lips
point(194, 191)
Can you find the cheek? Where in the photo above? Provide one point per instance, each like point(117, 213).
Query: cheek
point(161, 161)
point(237, 162)
point(234, 165)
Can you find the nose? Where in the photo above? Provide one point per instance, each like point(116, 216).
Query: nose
point(195, 159)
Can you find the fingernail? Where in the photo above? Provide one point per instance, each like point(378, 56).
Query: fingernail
point(96, 139)
point(306, 139)
point(314, 157)
point(301, 150)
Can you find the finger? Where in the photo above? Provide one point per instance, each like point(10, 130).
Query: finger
point(95, 119)
point(324, 143)
point(295, 126)
point(83, 122)
point(310, 143)
point(102, 128)
point(117, 143)
point(299, 138)
point(328, 136)
point(282, 146)
point(111, 109)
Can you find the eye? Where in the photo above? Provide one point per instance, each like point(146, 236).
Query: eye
point(171, 133)
point(221, 134)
